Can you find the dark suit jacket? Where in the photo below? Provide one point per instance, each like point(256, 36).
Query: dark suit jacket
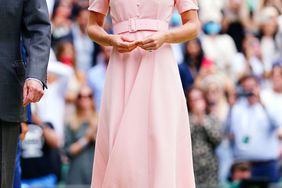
point(26, 21)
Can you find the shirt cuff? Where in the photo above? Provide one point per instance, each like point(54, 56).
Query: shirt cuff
point(35, 79)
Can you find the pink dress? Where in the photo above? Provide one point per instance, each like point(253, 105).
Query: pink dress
point(143, 137)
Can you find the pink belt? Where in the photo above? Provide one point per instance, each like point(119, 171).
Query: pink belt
point(136, 24)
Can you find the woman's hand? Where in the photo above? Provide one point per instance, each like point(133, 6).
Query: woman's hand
point(153, 42)
point(122, 43)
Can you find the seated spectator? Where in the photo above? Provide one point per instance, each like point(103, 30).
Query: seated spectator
point(231, 22)
point(194, 61)
point(51, 107)
point(210, 9)
point(268, 30)
point(66, 54)
point(248, 61)
point(206, 136)
point(96, 76)
point(220, 48)
point(61, 22)
point(83, 45)
point(277, 4)
point(239, 172)
point(272, 97)
point(253, 132)
point(80, 139)
point(40, 160)
point(215, 95)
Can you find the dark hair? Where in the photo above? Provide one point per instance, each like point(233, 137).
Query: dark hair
point(77, 10)
point(247, 77)
point(199, 59)
point(240, 166)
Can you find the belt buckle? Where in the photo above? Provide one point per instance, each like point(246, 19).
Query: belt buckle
point(132, 25)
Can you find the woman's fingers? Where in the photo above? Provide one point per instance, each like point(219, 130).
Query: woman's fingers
point(147, 40)
point(126, 39)
point(126, 49)
point(149, 46)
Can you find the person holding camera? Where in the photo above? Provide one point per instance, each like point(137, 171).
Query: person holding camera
point(253, 132)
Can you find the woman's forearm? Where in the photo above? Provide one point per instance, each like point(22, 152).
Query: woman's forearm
point(184, 33)
point(99, 35)
point(96, 31)
point(188, 31)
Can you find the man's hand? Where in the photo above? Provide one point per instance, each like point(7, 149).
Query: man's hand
point(33, 91)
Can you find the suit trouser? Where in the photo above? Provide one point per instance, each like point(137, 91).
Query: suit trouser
point(9, 133)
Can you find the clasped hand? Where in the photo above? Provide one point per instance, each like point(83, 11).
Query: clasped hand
point(124, 44)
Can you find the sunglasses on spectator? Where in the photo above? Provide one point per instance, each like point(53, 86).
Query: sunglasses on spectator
point(80, 96)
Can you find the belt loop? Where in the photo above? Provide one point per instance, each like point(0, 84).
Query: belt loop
point(132, 25)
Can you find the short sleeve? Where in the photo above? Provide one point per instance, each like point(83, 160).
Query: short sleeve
point(101, 6)
point(185, 5)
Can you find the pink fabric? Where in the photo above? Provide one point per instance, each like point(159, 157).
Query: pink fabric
point(207, 63)
point(143, 137)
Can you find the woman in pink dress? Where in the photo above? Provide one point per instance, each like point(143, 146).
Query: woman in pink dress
point(143, 137)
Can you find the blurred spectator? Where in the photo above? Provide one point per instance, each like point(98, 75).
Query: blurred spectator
point(272, 97)
point(211, 9)
point(39, 159)
point(194, 61)
point(220, 48)
point(96, 76)
point(215, 95)
point(61, 22)
point(249, 60)
point(232, 22)
point(218, 107)
point(51, 108)
point(239, 172)
point(67, 55)
point(269, 29)
point(274, 3)
point(279, 36)
point(80, 139)
point(254, 133)
point(84, 46)
point(250, 12)
point(206, 136)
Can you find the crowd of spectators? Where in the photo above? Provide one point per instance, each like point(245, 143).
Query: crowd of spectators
point(231, 75)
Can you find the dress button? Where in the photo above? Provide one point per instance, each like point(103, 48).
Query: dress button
point(138, 4)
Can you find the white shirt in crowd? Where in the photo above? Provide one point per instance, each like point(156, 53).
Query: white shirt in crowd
point(269, 52)
point(51, 107)
point(255, 132)
point(239, 66)
point(221, 49)
point(273, 103)
point(96, 77)
point(84, 48)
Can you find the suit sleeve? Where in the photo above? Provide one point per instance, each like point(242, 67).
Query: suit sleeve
point(36, 33)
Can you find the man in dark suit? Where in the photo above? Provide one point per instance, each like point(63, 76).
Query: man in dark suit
point(26, 22)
